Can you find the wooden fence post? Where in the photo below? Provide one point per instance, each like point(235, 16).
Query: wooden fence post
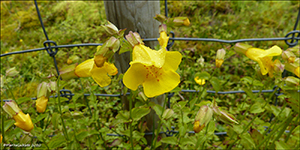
point(136, 16)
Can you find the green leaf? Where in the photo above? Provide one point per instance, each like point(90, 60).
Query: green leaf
point(125, 46)
point(257, 108)
point(168, 113)
point(158, 109)
point(249, 93)
point(8, 124)
point(40, 117)
point(138, 113)
point(54, 120)
point(203, 75)
point(56, 141)
point(82, 135)
point(22, 100)
point(281, 145)
point(122, 117)
point(169, 140)
point(203, 103)
point(247, 141)
point(187, 140)
point(215, 83)
point(211, 128)
point(182, 130)
point(247, 80)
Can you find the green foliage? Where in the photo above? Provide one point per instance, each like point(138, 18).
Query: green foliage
point(83, 122)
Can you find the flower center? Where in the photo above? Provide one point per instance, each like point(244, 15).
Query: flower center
point(153, 72)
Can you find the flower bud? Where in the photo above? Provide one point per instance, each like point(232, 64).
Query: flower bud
point(52, 87)
point(181, 21)
point(12, 72)
point(295, 50)
point(142, 96)
point(68, 72)
point(22, 121)
point(134, 38)
point(109, 47)
point(42, 90)
point(278, 66)
point(293, 67)
point(201, 61)
point(220, 57)
point(11, 107)
point(2, 81)
point(110, 28)
point(1, 138)
point(168, 113)
point(241, 48)
point(292, 81)
point(72, 59)
point(162, 28)
point(161, 18)
point(202, 118)
point(163, 38)
point(199, 81)
point(226, 117)
point(288, 56)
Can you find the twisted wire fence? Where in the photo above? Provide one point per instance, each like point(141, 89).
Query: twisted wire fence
point(291, 39)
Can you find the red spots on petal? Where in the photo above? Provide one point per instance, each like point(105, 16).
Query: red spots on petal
point(157, 80)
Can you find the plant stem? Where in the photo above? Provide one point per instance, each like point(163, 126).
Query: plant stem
point(159, 124)
point(130, 125)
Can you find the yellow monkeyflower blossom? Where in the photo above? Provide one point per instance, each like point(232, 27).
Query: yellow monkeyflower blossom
point(22, 121)
point(263, 57)
point(154, 70)
point(99, 73)
point(41, 104)
point(199, 81)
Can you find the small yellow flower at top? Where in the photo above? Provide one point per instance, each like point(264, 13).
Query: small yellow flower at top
point(199, 81)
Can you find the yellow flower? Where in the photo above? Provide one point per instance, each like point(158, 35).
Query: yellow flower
point(41, 104)
point(199, 81)
point(197, 127)
point(163, 39)
point(263, 57)
point(155, 70)
point(297, 72)
point(219, 62)
point(23, 121)
point(1, 138)
point(96, 69)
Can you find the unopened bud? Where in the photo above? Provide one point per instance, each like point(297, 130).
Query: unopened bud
point(72, 59)
point(161, 18)
point(288, 56)
point(110, 28)
point(12, 72)
point(168, 113)
point(202, 118)
point(295, 50)
point(201, 61)
point(162, 28)
point(52, 86)
point(42, 90)
point(142, 96)
point(293, 67)
point(278, 66)
point(220, 57)
point(241, 48)
point(68, 72)
point(181, 21)
point(134, 38)
point(109, 47)
point(292, 81)
point(2, 81)
point(226, 117)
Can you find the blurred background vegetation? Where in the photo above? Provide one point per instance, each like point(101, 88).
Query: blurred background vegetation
point(77, 22)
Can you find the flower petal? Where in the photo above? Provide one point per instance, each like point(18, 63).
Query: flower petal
point(110, 68)
point(172, 60)
point(145, 55)
point(100, 76)
point(83, 69)
point(166, 82)
point(274, 51)
point(255, 53)
point(163, 39)
point(134, 76)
